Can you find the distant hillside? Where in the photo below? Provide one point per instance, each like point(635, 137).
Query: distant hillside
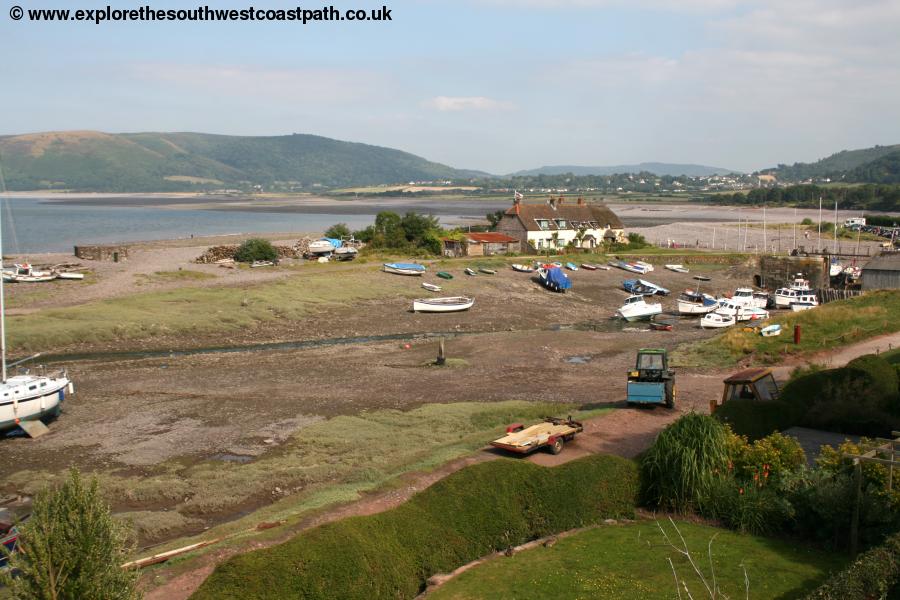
point(645, 167)
point(881, 170)
point(835, 166)
point(134, 162)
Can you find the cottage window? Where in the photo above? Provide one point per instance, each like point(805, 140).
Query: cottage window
point(561, 223)
point(594, 224)
point(543, 223)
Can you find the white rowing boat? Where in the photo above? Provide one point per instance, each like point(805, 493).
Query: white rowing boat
point(451, 304)
point(431, 287)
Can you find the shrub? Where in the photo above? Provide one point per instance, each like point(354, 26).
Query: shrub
point(872, 575)
point(71, 547)
point(338, 231)
point(757, 419)
point(679, 469)
point(883, 374)
point(766, 459)
point(471, 513)
point(255, 249)
point(748, 508)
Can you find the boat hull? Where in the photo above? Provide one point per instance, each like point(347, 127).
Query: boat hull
point(442, 305)
point(403, 271)
point(694, 308)
point(47, 403)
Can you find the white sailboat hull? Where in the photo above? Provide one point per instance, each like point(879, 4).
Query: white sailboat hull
point(18, 402)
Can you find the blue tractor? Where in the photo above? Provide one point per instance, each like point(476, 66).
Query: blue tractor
point(651, 381)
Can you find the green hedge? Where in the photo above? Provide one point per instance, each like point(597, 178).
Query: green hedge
point(480, 509)
point(756, 419)
point(875, 574)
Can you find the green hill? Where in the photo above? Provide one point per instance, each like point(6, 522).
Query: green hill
point(835, 166)
point(134, 162)
point(881, 170)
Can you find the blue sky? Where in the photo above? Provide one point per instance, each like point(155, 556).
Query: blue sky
point(498, 85)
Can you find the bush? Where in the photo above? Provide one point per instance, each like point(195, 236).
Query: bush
point(471, 513)
point(71, 547)
point(883, 374)
point(688, 456)
point(256, 249)
point(748, 508)
point(756, 419)
point(338, 231)
point(873, 574)
point(766, 459)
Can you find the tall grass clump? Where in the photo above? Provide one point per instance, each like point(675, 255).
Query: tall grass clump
point(680, 468)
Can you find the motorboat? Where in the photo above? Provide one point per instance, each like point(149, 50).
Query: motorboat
point(451, 304)
point(695, 303)
point(637, 309)
point(646, 288)
point(798, 287)
point(25, 273)
point(346, 253)
point(677, 268)
point(748, 297)
point(431, 287)
point(804, 302)
point(716, 320)
point(404, 268)
point(741, 312)
point(322, 246)
point(554, 279)
point(522, 268)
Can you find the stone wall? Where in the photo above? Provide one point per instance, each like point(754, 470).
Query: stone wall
point(114, 253)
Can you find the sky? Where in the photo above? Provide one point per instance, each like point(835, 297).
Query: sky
point(494, 85)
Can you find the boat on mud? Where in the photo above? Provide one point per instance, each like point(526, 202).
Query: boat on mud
point(637, 309)
point(741, 312)
point(404, 268)
point(804, 302)
point(677, 268)
point(784, 296)
point(487, 271)
point(644, 288)
point(694, 303)
point(571, 266)
point(554, 279)
point(431, 287)
point(522, 268)
point(715, 320)
point(469, 271)
point(748, 297)
point(346, 253)
point(444, 275)
point(25, 273)
point(450, 304)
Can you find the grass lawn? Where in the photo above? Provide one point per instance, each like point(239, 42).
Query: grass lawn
point(631, 561)
point(829, 326)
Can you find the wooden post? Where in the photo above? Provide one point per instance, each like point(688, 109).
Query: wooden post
point(441, 359)
point(854, 522)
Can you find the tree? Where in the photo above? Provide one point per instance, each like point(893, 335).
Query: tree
point(494, 219)
point(256, 249)
point(338, 231)
point(71, 548)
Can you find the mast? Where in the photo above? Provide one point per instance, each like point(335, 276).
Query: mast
point(795, 228)
point(834, 249)
point(819, 242)
point(764, 230)
point(2, 306)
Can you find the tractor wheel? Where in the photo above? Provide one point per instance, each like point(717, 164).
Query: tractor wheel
point(557, 446)
point(670, 397)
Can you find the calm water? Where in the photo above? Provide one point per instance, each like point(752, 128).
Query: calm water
point(30, 226)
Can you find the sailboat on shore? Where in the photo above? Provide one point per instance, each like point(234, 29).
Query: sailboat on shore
point(25, 396)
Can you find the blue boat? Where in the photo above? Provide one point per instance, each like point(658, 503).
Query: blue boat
point(404, 268)
point(571, 266)
point(643, 288)
point(554, 279)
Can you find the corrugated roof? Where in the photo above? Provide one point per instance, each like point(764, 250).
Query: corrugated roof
point(889, 261)
point(583, 213)
point(490, 237)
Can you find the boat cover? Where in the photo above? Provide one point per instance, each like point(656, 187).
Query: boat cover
point(556, 278)
point(333, 242)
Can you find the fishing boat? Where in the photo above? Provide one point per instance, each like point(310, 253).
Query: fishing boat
point(715, 320)
point(487, 271)
point(522, 268)
point(677, 268)
point(637, 309)
point(431, 287)
point(444, 275)
point(589, 266)
point(404, 268)
point(321, 246)
point(25, 273)
point(571, 266)
point(786, 295)
point(554, 279)
point(770, 330)
point(27, 397)
point(346, 253)
point(695, 303)
point(469, 271)
point(451, 304)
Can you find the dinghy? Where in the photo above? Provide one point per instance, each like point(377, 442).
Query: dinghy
point(444, 275)
point(660, 326)
point(771, 330)
point(522, 268)
point(404, 268)
point(716, 321)
point(702, 278)
point(431, 287)
point(451, 304)
point(589, 267)
point(643, 287)
point(469, 271)
point(636, 309)
point(677, 268)
point(571, 266)
point(487, 271)
point(69, 275)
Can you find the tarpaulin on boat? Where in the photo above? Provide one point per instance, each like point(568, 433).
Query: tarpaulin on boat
point(556, 278)
point(334, 242)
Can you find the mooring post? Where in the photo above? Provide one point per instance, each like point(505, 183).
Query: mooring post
point(854, 523)
point(441, 359)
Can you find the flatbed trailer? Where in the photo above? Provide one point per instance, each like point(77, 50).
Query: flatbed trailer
point(552, 433)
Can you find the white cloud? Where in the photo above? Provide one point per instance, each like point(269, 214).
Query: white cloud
point(460, 103)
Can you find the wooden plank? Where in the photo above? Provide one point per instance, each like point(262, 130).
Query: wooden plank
point(34, 429)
